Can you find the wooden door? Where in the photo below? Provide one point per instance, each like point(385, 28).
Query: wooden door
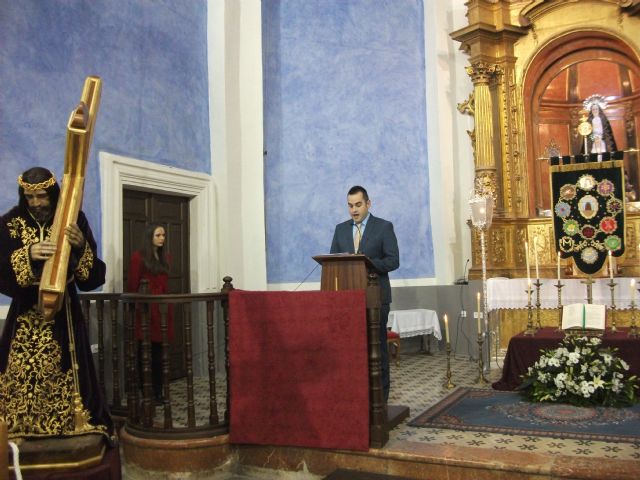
point(141, 208)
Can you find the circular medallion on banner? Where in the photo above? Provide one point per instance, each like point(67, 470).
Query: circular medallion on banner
point(614, 206)
point(613, 242)
point(588, 232)
point(608, 225)
point(605, 188)
point(586, 182)
point(568, 191)
point(566, 244)
point(563, 209)
point(589, 255)
point(588, 206)
point(571, 227)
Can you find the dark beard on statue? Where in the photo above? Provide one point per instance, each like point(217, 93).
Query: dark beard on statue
point(41, 214)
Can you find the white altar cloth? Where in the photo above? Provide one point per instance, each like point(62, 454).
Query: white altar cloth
point(511, 293)
point(411, 323)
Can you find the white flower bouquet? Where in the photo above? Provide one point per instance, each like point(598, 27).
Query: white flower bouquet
point(580, 372)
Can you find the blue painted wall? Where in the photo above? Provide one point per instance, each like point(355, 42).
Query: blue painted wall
point(152, 57)
point(344, 89)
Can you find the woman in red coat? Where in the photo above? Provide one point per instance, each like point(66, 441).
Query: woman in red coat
point(151, 264)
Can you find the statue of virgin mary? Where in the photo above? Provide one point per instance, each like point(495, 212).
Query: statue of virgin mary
point(601, 138)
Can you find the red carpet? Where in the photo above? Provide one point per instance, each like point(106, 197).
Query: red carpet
point(299, 373)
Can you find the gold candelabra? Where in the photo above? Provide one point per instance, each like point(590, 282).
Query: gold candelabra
point(530, 330)
point(481, 380)
point(449, 384)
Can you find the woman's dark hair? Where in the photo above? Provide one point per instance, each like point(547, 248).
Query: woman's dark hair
point(37, 175)
point(153, 264)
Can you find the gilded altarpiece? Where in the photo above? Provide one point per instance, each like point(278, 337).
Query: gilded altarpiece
point(532, 64)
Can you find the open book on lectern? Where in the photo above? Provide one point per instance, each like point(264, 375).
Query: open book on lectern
point(586, 316)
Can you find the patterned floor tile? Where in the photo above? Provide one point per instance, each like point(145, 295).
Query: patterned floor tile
point(418, 382)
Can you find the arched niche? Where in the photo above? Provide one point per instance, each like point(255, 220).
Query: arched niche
point(559, 77)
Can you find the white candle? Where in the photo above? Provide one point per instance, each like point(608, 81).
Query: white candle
point(535, 256)
point(610, 265)
point(526, 256)
point(558, 268)
point(529, 290)
point(632, 288)
point(479, 324)
point(446, 327)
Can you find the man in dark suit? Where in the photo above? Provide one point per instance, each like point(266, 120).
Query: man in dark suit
point(375, 238)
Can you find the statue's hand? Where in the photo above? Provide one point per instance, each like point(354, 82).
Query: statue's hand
point(74, 236)
point(42, 250)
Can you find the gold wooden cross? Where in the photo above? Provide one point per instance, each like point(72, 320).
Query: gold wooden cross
point(79, 135)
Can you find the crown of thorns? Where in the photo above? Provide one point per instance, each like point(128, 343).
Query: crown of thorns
point(592, 100)
point(30, 187)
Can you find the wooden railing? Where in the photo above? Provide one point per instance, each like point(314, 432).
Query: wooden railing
point(128, 387)
point(128, 390)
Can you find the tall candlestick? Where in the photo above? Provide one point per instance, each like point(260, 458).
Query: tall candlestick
point(526, 257)
point(610, 265)
point(446, 327)
point(558, 268)
point(632, 288)
point(479, 324)
point(535, 256)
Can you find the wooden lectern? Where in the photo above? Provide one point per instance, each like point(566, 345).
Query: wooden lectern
point(345, 271)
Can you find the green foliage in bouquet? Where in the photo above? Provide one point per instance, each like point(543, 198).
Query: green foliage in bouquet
point(580, 372)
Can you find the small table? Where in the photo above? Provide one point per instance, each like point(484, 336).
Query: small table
point(411, 323)
point(524, 351)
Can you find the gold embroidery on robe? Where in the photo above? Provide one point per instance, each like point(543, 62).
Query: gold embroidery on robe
point(20, 261)
point(18, 228)
point(21, 265)
point(36, 393)
point(85, 264)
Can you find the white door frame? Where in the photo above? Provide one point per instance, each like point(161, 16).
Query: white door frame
point(118, 172)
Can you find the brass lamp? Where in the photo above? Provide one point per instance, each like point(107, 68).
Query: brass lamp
point(481, 207)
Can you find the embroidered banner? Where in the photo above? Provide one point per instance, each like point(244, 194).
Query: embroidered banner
point(588, 212)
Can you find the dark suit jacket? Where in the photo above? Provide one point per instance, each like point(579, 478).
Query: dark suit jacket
point(379, 243)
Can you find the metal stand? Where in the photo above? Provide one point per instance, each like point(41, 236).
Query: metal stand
point(530, 330)
point(449, 384)
point(425, 339)
point(612, 285)
point(559, 286)
point(589, 283)
point(538, 284)
point(481, 380)
point(481, 206)
point(633, 329)
point(484, 289)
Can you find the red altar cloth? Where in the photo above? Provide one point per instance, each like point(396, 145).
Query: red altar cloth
point(299, 373)
point(523, 351)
